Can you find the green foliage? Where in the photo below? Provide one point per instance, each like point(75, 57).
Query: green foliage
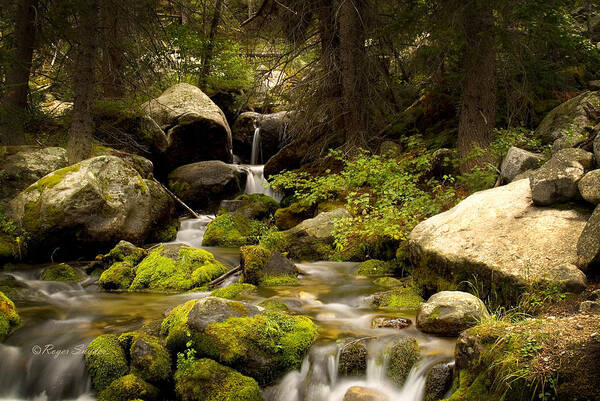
point(233, 230)
point(13, 239)
point(232, 291)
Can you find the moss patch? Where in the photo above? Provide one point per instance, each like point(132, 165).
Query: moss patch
point(233, 291)
point(403, 355)
point(253, 261)
point(117, 277)
point(398, 299)
point(105, 361)
point(375, 267)
point(274, 281)
point(129, 387)
point(233, 230)
point(9, 318)
point(53, 179)
point(150, 360)
point(62, 272)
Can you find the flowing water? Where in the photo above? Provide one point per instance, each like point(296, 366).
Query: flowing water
point(256, 149)
point(44, 359)
point(257, 184)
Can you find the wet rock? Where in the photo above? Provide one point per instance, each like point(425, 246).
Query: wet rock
point(129, 387)
point(589, 307)
point(589, 187)
point(23, 165)
point(353, 359)
point(150, 360)
point(253, 206)
point(399, 299)
point(390, 323)
point(9, 318)
point(388, 282)
point(374, 267)
point(124, 252)
point(448, 313)
point(207, 380)
point(203, 185)
point(62, 272)
point(291, 216)
point(196, 127)
point(439, 381)
point(517, 161)
point(242, 134)
point(263, 267)
point(89, 206)
point(403, 354)
point(233, 230)
point(358, 393)
point(238, 335)
point(105, 361)
point(499, 236)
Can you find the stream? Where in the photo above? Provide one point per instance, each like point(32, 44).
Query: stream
point(44, 359)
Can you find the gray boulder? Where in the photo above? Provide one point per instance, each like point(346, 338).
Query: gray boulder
point(518, 161)
point(196, 127)
point(203, 185)
point(570, 118)
point(242, 134)
point(90, 206)
point(498, 236)
point(448, 313)
point(556, 181)
point(21, 166)
point(588, 245)
point(589, 187)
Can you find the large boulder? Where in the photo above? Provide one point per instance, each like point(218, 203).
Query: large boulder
point(518, 161)
point(448, 313)
point(556, 181)
point(240, 336)
point(242, 134)
point(203, 185)
point(569, 119)
point(499, 237)
point(589, 187)
point(90, 206)
point(21, 166)
point(196, 127)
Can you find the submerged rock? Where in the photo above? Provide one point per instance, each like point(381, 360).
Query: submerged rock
point(203, 185)
point(448, 313)
point(196, 127)
point(518, 161)
point(498, 236)
point(62, 272)
point(92, 205)
point(358, 393)
point(239, 335)
point(207, 380)
point(383, 322)
point(353, 359)
point(403, 354)
point(9, 318)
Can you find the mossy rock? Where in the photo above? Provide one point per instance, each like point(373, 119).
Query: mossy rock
point(233, 230)
point(262, 267)
point(375, 267)
point(403, 355)
point(291, 216)
point(274, 305)
point(106, 361)
point(125, 252)
point(233, 290)
point(9, 318)
point(150, 360)
point(261, 345)
point(127, 388)
point(297, 245)
point(117, 277)
point(175, 267)
point(207, 380)
point(388, 282)
point(62, 272)
point(256, 206)
point(397, 299)
point(353, 359)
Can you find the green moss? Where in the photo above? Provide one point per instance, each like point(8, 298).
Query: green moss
point(62, 272)
point(274, 281)
point(233, 291)
point(189, 268)
point(177, 318)
point(150, 360)
point(288, 217)
point(398, 299)
point(260, 198)
point(375, 267)
point(168, 233)
point(179, 187)
point(9, 318)
point(53, 179)
point(273, 305)
point(388, 282)
point(117, 277)
point(276, 241)
point(127, 388)
point(105, 361)
point(207, 380)
point(125, 252)
point(403, 355)
point(31, 215)
point(253, 261)
point(233, 230)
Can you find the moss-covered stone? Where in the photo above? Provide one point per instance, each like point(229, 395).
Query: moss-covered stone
point(124, 252)
point(117, 277)
point(397, 299)
point(375, 267)
point(233, 290)
point(291, 216)
point(233, 230)
point(279, 280)
point(388, 282)
point(127, 388)
point(176, 268)
point(297, 245)
point(256, 206)
point(253, 260)
point(105, 361)
point(353, 359)
point(150, 360)
point(403, 355)
point(273, 305)
point(207, 380)
point(9, 318)
point(62, 272)
point(168, 233)
point(263, 267)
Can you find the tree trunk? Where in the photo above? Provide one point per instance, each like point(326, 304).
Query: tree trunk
point(206, 60)
point(112, 53)
point(14, 103)
point(478, 106)
point(82, 124)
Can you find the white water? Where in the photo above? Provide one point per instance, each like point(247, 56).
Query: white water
point(256, 149)
point(257, 184)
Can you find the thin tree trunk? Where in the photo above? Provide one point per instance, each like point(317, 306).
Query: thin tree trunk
point(14, 103)
point(112, 53)
point(478, 106)
point(82, 124)
point(214, 25)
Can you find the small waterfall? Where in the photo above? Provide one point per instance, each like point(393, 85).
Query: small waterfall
point(256, 149)
point(257, 184)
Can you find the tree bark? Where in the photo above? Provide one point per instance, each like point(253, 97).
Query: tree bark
point(214, 25)
point(478, 105)
point(112, 52)
point(14, 102)
point(82, 124)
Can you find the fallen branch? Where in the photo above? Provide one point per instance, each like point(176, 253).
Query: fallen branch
point(182, 203)
point(222, 278)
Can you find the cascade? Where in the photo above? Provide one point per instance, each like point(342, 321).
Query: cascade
point(256, 149)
